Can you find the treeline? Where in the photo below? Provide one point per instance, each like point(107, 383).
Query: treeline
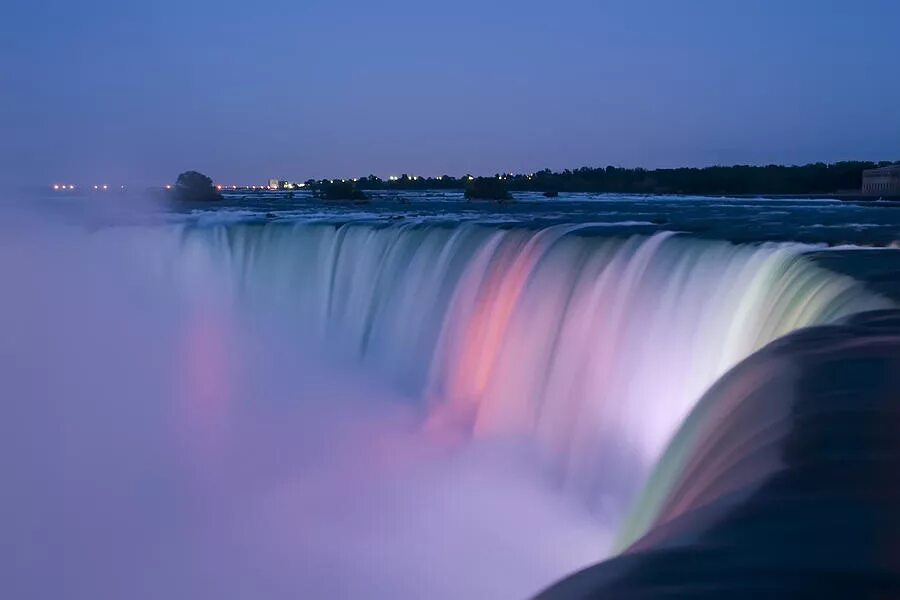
point(816, 178)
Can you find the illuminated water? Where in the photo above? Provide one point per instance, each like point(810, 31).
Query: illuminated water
point(384, 402)
point(780, 484)
point(535, 333)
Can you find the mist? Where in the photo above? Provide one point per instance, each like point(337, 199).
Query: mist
point(158, 443)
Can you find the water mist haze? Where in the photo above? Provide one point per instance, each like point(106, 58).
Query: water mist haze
point(157, 443)
point(295, 409)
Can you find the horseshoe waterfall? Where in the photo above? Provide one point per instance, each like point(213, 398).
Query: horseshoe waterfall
point(428, 410)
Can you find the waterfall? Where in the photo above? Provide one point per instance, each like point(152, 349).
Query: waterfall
point(594, 347)
point(779, 484)
point(300, 409)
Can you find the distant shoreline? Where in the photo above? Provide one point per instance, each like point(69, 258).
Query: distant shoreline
point(839, 180)
point(843, 197)
point(848, 197)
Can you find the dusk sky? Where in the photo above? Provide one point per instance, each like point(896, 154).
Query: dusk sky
point(135, 92)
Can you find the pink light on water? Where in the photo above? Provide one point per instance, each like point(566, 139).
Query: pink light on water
point(491, 295)
point(205, 388)
point(484, 333)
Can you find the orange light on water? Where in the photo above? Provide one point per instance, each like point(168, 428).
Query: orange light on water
point(482, 339)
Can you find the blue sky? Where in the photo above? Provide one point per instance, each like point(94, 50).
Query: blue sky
point(125, 92)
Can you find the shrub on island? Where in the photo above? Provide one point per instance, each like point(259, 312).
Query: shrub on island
point(487, 188)
point(192, 186)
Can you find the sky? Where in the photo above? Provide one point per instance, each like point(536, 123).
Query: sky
point(124, 92)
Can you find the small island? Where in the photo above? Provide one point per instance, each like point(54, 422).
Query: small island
point(487, 188)
point(342, 191)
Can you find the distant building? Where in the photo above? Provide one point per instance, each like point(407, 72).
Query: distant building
point(882, 182)
point(280, 184)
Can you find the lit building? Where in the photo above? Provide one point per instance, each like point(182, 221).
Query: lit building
point(882, 182)
point(280, 184)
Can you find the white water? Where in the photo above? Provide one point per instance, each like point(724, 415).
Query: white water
point(595, 348)
point(310, 410)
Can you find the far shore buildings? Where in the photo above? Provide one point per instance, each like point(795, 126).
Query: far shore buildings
point(280, 184)
point(882, 182)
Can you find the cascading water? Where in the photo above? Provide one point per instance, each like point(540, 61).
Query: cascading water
point(593, 347)
point(780, 483)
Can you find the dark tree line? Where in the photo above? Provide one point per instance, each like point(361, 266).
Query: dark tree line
point(816, 178)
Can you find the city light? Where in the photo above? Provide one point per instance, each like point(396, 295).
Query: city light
point(289, 185)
